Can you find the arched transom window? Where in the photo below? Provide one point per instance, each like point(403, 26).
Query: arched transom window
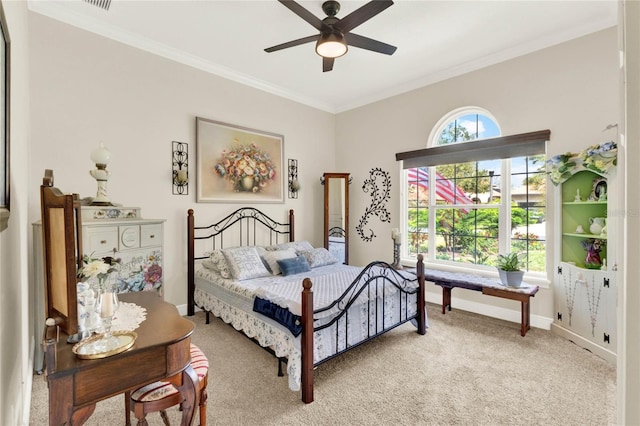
point(478, 207)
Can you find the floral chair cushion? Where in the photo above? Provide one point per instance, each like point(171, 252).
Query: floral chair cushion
point(159, 390)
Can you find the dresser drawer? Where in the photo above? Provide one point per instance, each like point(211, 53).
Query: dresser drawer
point(129, 237)
point(100, 240)
point(150, 235)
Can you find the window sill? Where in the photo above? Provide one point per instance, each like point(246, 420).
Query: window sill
point(4, 219)
point(488, 271)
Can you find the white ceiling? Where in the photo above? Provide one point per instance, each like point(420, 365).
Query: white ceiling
point(435, 39)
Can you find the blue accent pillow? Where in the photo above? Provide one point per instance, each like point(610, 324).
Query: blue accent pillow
point(294, 265)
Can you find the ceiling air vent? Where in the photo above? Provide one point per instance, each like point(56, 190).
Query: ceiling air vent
point(103, 4)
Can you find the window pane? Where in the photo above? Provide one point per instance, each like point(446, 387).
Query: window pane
point(448, 184)
point(468, 237)
point(528, 213)
point(417, 230)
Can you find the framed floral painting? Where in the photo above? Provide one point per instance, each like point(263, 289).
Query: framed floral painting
point(237, 164)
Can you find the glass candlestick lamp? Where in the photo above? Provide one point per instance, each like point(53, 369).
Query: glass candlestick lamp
point(397, 241)
point(101, 157)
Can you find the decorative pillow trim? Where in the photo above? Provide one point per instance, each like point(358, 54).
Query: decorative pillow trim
point(218, 262)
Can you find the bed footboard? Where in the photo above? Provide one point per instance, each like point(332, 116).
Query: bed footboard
point(362, 284)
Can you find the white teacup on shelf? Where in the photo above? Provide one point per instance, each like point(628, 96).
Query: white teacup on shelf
point(579, 230)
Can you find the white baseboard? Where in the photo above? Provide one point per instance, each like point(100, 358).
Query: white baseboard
point(603, 353)
point(465, 305)
point(491, 311)
point(182, 309)
point(28, 385)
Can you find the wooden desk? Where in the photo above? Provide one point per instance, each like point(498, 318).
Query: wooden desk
point(488, 286)
point(162, 349)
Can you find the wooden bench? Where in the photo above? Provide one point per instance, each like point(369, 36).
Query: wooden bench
point(487, 285)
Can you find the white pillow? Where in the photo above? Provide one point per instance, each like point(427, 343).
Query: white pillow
point(298, 246)
point(319, 257)
point(272, 257)
point(245, 263)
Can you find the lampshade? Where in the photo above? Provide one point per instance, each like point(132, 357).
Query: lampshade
point(101, 155)
point(331, 45)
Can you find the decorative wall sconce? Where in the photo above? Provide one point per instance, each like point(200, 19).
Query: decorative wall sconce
point(294, 184)
point(101, 157)
point(180, 155)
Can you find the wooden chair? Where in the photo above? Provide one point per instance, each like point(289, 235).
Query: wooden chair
point(62, 253)
point(160, 395)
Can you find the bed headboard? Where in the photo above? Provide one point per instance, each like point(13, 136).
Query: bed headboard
point(245, 226)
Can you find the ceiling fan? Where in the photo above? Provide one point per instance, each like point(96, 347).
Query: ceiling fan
point(335, 34)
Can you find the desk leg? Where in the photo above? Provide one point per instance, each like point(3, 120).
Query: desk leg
point(525, 322)
point(81, 415)
point(189, 391)
point(446, 299)
point(62, 411)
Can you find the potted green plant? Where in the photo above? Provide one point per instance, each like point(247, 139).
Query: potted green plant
point(509, 269)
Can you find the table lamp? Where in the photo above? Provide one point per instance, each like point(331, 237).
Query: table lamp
point(101, 156)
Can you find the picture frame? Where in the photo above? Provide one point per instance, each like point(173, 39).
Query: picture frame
point(599, 189)
point(236, 164)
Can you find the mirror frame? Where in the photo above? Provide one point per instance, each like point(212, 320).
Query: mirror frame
point(326, 179)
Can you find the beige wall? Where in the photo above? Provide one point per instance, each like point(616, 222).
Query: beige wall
point(571, 89)
point(15, 367)
point(87, 89)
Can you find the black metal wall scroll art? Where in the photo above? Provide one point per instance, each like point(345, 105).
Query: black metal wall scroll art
point(379, 187)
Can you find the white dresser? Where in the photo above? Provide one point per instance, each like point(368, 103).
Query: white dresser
point(119, 232)
point(137, 242)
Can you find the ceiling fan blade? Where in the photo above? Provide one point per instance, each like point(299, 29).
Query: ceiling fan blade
point(305, 14)
point(327, 64)
point(356, 40)
point(362, 14)
point(292, 43)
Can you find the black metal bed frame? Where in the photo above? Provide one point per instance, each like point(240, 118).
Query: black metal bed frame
point(376, 279)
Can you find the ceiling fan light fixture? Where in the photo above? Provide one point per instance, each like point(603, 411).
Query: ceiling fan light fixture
point(331, 45)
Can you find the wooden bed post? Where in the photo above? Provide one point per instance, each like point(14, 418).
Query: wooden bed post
point(291, 227)
point(190, 264)
point(306, 343)
point(422, 323)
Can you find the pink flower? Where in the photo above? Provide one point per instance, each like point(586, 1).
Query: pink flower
point(153, 274)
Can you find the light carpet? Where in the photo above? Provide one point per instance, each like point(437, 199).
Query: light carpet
point(467, 370)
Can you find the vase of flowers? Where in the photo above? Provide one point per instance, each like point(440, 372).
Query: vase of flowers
point(246, 167)
point(101, 274)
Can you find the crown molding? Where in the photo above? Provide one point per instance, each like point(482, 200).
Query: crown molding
point(56, 11)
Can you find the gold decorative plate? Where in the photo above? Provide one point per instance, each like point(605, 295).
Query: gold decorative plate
point(98, 346)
